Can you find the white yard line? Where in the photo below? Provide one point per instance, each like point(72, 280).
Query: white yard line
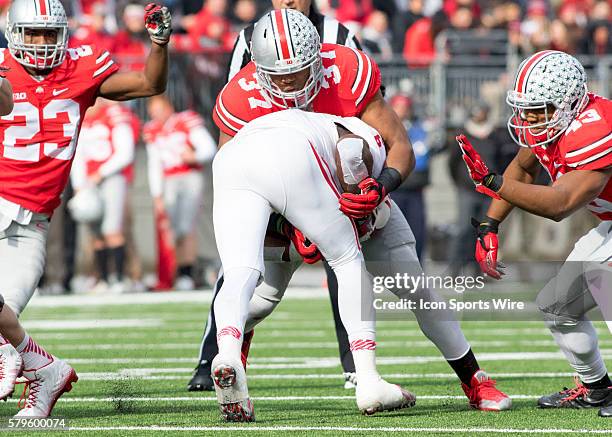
point(327, 362)
point(182, 373)
point(412, 344)
point(91, 324)
point(196, 296)
point(256, 398)
point(256, 428)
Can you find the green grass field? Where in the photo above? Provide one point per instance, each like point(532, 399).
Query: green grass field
point(134, 361)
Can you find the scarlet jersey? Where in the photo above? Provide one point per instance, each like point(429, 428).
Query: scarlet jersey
point(39, 136)
point(171, 138)
point(96, 141)
point(350, 81)
point(585, 145)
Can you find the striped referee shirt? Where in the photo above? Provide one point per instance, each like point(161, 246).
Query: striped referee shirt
point(329, 29)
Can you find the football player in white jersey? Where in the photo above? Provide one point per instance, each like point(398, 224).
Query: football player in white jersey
point(53, 86)
point(284, 162)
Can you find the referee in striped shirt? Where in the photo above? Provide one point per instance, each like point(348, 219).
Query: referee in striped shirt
point(330, 31)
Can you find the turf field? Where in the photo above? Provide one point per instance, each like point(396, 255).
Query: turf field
point(135, 353)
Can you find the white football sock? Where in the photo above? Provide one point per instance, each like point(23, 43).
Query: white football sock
point(355, 303)
point(34, 356)
point(232, 308)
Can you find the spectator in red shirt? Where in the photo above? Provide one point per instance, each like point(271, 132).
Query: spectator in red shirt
point(352, 10)
point(419, 49)
point(210, 27)
point(451, 6)
point(130, 47)
point(91, 29)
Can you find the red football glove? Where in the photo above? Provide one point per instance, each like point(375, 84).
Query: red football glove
point(486, 249)
point(362, 205)
point(307, 250)
point(478, 170)
point(158, 23)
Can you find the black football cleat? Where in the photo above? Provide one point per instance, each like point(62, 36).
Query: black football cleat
point(606, 411)
point(201, 380)
point(578, 398)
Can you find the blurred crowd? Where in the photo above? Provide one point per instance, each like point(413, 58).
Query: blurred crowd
point(384, 27)
point(180, 148)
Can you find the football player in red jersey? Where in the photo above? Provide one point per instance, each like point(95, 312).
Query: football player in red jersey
point(291, 69)
point(178, 147)
point(52, 88)
point(104, 161)
point(568, 131)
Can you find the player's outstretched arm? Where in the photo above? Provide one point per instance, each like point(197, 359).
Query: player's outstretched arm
point(567, 194)
point(6, 96)
point(153, 80)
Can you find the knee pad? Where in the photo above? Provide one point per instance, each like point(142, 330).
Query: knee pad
point(259, 309)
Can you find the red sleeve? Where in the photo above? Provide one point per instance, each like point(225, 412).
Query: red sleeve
point(228, 114)
point(587, 143)
point(102, 66)
point(372, 81)
point(359, 81)
point(593, 156)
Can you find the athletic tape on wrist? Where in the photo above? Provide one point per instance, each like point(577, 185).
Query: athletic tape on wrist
point(354, 169)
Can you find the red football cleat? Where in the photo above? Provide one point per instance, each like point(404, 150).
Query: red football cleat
point(483, 394)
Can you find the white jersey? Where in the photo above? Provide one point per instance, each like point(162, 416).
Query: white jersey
point(322, 133)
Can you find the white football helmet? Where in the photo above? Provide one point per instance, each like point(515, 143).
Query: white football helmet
point(86, 205)
point(284, 42)
point(37, 14)
point(546, 78)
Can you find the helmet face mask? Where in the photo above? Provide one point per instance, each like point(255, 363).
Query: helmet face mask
point(285, 42)
point(552, 84)
point(300, 98)
point(24, 20)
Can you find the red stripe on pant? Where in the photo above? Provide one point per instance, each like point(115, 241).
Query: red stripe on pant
point(229, 330)
point(363, 345)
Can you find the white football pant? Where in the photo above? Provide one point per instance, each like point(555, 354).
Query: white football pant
point(22, 260)
point(389, 251)
point(260, 173)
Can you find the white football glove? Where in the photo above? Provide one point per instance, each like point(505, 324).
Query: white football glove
point(158, 22)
